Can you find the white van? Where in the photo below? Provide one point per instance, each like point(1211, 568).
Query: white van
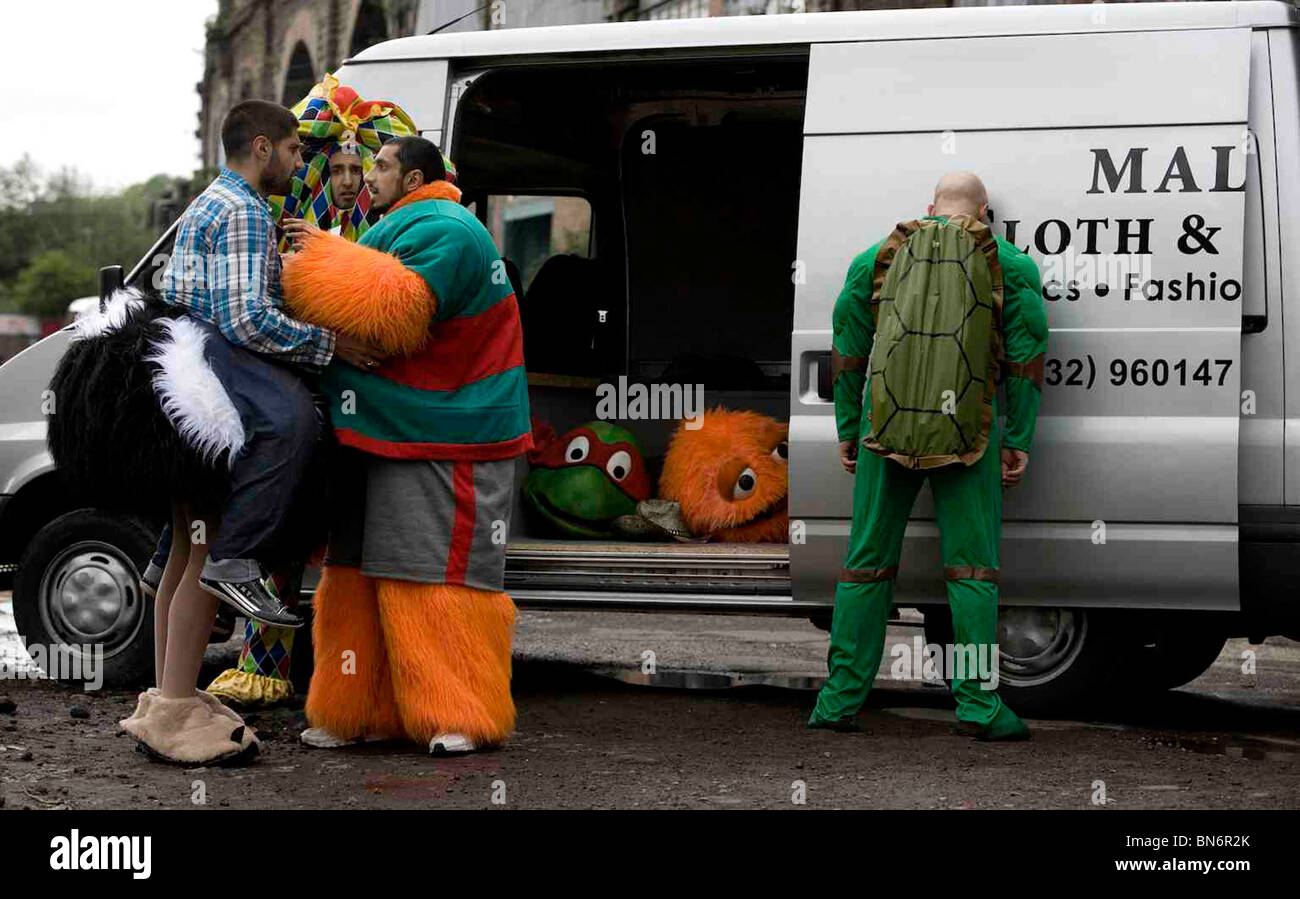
point(718, 175)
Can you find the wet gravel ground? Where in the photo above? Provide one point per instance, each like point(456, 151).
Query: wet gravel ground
point(719, 724)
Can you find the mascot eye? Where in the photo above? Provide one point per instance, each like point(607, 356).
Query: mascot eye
point(745, 484)
point(577, 450)
point(619, 465)
point(781, 453)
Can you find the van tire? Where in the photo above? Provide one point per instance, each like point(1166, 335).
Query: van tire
point(1180, 647)
point(78, 582)
point(1091, 672)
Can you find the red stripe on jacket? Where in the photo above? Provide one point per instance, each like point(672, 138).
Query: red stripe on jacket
point(474, 452)
point(463, 350)
point(462, 528)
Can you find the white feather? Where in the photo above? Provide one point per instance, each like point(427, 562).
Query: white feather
point(121, 304)
point(192, 396)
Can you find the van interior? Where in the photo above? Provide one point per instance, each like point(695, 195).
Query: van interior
point(672, 191)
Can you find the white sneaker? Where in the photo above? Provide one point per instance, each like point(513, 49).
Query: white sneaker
point(451, 744)
point(320, 738)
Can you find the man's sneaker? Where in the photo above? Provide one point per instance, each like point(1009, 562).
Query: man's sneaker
point(451, 744)
point(257, 599)
point(150, 580)
point(320, 738)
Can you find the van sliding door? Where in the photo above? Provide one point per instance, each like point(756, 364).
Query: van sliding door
point(1117, 160)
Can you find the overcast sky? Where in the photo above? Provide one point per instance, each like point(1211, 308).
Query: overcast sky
point(106, 86)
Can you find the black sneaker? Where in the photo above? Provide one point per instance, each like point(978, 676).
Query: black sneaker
point(150, 580)
point(257, 599)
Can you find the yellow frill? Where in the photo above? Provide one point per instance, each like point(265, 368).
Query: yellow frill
point(253, 690)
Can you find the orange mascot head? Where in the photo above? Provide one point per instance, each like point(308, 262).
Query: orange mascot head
point(731, 477)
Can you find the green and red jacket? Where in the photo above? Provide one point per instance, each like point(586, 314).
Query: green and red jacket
point(464, 394)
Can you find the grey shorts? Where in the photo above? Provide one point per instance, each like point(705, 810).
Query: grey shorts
point(436, 522)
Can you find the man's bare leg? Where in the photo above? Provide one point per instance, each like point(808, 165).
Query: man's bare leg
point(190, 616)
point(177, 560)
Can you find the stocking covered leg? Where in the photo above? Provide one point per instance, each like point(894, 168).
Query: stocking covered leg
point(261, 675)
point(449, 651)
point(351, 692)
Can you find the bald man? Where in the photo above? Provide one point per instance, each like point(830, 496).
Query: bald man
point(967, 487)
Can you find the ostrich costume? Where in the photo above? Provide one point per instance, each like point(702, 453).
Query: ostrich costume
point(139, 416)
point(141, 421)
point(332, 118)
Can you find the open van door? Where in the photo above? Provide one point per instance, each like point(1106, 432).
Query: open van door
point(1117, 160)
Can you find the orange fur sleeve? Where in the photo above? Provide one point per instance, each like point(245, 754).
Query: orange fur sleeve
point(359, 291)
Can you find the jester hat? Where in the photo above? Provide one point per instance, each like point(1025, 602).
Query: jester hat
point(332, 117)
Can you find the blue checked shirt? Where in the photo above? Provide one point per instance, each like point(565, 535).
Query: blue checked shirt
point(225, 271)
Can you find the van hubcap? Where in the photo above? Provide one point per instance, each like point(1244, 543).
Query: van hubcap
point(1037, 644)
point(90, 594)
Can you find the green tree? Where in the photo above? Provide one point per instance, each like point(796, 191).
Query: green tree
point(51, 281)
point(63, 212)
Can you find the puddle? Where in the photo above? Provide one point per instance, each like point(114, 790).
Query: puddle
point(1260, 749)
point(708, 680)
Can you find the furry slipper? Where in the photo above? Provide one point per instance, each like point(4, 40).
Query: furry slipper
point(188, 731)
point(212, 702)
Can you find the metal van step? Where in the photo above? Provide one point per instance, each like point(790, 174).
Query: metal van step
point(699, 569)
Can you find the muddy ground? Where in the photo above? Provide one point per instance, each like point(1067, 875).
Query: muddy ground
point(587, 738)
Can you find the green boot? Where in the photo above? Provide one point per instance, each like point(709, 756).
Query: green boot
point(1006, 726)
point(841, 725)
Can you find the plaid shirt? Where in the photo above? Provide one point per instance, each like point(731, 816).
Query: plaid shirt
point(225, 270)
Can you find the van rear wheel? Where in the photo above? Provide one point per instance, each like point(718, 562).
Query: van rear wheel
point(78, 589)
point(1052, 660)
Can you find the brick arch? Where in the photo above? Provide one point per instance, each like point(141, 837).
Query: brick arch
point(369, 26)
point(300, 33)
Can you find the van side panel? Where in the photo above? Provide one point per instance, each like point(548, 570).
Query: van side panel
point(1131, 497)
point(1284, 52)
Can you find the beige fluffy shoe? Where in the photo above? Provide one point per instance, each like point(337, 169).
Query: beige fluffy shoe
point(212, 702)
point(188, 731)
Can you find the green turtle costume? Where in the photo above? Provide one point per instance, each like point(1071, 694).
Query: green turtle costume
point(925, 322)
point(579, 483)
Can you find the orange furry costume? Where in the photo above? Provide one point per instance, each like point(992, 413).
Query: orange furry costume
point(731, 477)
point(412, 631)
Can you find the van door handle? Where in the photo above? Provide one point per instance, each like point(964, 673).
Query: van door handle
point(821, 359)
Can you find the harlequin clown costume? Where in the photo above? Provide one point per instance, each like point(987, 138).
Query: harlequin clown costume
point(967, 495)
point(332, 119)
point(412, 631)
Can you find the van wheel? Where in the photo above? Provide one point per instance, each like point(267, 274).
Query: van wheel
point(1179, 648)
point(78, 585)
point(1051, 660)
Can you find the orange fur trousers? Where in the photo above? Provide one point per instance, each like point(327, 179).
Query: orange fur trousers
point(398, 659)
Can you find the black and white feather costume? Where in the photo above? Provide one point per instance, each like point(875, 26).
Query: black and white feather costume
point(141, 420)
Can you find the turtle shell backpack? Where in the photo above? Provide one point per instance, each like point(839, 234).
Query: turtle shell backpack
point(936, 303)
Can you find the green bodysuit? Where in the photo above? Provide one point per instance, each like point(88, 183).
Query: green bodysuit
point(968, 503)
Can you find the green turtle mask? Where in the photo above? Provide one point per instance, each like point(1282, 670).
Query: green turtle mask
point(585, 479)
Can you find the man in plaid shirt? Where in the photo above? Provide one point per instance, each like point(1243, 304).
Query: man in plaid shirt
point(225, 271)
